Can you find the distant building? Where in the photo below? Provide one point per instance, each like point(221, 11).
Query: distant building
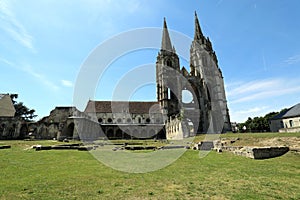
point(128, 120)
point(11, 127)
point(287, 120)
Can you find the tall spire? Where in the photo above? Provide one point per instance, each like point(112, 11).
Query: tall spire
point(198, 32)
point(166, 41)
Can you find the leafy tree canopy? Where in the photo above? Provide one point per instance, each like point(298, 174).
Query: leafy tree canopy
point(258, 124)
point(21, 110)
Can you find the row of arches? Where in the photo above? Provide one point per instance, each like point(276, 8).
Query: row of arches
point(138, 120)
point(134, 133)
point(13, 130)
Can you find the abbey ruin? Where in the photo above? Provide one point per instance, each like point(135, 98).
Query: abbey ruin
point(170, 117)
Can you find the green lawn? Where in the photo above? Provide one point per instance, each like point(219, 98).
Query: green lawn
point(69, 174)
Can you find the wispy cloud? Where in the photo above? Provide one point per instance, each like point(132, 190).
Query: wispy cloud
point(6, 61)
point(262, 89)
point(252, 110)
point(29, 70)
point(293, 60)
point(251, 87)
point(11, 25)
point(40, 77)
point(66, 83)
point(255, 111)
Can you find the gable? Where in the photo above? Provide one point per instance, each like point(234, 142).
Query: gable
point(7, 108)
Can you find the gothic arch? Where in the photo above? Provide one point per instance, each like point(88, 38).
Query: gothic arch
point(69, 130)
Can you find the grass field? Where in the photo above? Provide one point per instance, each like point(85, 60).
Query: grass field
point(69, 174)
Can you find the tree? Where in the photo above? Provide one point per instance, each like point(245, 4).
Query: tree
point(21, 110)
point(258, 124)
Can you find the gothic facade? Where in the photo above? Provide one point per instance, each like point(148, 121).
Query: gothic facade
point(206, 111)
point(171, 116)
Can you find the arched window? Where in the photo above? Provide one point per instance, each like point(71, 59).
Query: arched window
point(169, 63)
point(119, 120)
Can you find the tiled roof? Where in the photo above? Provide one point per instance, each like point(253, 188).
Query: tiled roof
point(7, 108)
point(132, 107)
point(291, 112)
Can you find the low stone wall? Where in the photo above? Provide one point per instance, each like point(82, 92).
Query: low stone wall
point(261, 152)
point(231, 148)
point(289, 130)
point(204, 146)
point(247, 151)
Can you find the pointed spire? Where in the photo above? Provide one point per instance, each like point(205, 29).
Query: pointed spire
point(198, 32)
point(166, 41)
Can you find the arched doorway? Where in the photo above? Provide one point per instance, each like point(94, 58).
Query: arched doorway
point(110, 133)
point(119, 134)
point(23, 131)
point(70, 130)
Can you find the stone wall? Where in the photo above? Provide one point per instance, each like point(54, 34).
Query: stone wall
point(290, 130)
point(12, 128)
point(261, 152)
point(248, 151)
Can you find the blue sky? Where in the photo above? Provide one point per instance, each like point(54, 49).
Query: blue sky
point(43, 45)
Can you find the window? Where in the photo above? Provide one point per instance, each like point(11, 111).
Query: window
point(100, 120)
point(148, 120)
point(109, 120)
point(281, 124)
point(119, 120)
point(291, 123)
point(169, 63)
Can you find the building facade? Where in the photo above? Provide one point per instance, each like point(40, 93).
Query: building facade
point(287, 120)
point(171, 116)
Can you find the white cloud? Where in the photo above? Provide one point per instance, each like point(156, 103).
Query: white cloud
point(13, 27)
point(6, 61)
point(293, 60)
point(40, 77)
point(262, 89)
point(252, 110)
point(242, 115)
point(66, 83)
point(253, 86)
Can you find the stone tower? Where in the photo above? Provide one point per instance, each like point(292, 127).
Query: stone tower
point(167, 70)
point(204, 64)
point(207, 111)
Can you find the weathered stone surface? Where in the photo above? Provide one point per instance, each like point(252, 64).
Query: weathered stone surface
point(206, 145)
point(262, 152)
point(84, 148)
